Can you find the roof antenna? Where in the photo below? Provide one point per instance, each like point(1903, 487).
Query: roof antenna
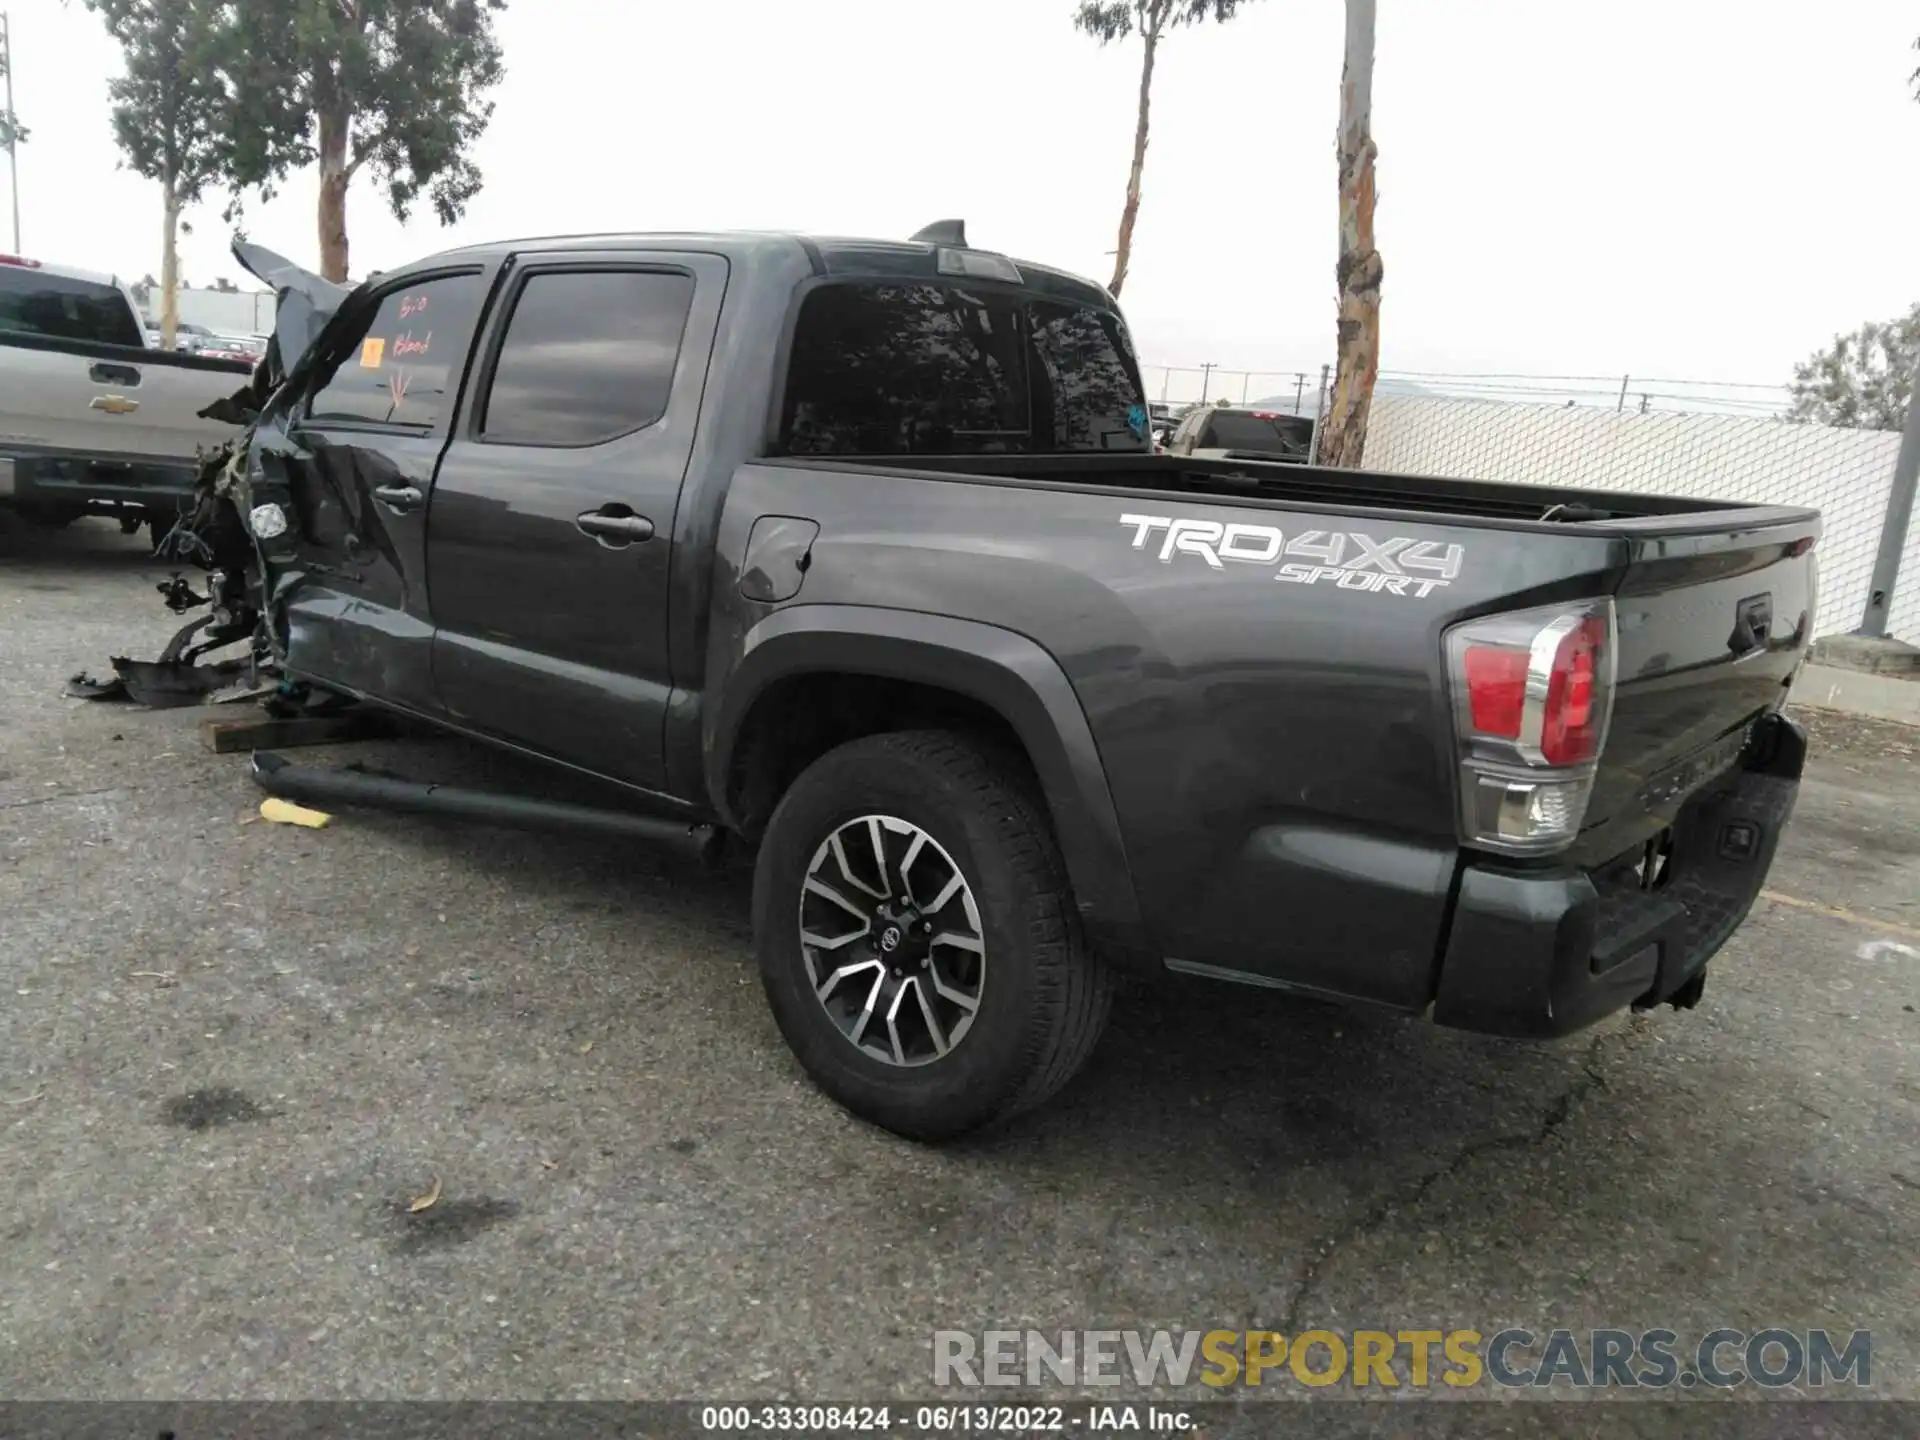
point(943, 232)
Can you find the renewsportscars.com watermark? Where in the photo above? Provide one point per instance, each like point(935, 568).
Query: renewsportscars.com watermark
point(1721, 1359)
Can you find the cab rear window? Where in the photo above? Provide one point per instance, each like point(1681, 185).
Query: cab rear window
point(934, 369)
point(33, 302)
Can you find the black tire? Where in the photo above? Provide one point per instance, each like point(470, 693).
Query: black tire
point(1043, 997)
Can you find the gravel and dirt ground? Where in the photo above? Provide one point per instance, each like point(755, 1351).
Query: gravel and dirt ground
point(231, 1053)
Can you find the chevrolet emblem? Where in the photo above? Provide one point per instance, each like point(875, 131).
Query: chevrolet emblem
point(115, 404)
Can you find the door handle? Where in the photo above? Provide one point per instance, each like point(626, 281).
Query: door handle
point(613, 528)
point(400, 498)
point(101, 373)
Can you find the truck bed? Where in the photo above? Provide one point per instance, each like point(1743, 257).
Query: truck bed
point(1314, 485)
point(1265, 741)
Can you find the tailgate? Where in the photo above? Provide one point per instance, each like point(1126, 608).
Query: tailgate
point(111, 402)
point(1712, 628)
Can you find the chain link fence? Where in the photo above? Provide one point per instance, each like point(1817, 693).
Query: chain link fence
point(1845, 474)
point(1656, 437)
point(1295, 392)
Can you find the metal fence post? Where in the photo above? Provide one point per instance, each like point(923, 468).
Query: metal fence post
point(1319, 417)
point(1893, 532)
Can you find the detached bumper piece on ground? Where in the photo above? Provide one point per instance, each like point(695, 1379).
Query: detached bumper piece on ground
point(177, 677)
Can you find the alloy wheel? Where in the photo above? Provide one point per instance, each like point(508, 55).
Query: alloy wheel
point(891, 935)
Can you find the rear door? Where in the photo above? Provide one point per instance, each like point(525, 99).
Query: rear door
point(553, 514)
point(358, 458)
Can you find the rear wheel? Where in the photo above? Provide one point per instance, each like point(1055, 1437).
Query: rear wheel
point(918, 939)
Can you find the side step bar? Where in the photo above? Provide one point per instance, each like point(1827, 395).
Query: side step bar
point(279, 776)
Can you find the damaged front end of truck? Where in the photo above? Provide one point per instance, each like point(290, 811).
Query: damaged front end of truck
point(230, 527)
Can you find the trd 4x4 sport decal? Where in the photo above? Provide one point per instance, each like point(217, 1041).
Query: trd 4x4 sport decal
point(1349, 559)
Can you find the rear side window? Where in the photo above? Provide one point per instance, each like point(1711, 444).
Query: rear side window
point(405, 365)
point(1087, 372)
point(588, 355)
point(35, 303)
point(925, 369)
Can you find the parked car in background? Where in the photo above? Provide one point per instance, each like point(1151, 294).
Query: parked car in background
point(235, 346)
point(858, 551)
point(1230, 432)
point(91, 415)
point(188, 338)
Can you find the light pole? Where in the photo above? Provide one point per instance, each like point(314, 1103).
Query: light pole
point(1893, 530)
point(11, 125)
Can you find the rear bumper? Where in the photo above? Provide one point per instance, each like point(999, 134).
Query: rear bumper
point(55, 481)
point(1546, 952)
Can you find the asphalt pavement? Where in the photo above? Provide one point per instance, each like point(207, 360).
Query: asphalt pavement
point(233, 1054)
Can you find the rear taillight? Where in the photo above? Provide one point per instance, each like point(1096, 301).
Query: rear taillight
point(1532, 694)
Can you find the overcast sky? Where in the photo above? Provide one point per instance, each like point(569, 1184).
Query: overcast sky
point(1702, 189)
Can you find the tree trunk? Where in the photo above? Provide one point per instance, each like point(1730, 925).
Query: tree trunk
point(1123, 250)
point(1344, 437)
point(169, 265)
point(334, 179)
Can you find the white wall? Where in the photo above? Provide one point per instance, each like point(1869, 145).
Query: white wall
point(235, 312)
point(1845, 474)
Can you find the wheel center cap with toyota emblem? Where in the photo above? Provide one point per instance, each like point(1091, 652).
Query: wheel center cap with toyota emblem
point(900, 934)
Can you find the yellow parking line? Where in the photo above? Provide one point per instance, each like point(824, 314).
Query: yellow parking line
point(1835, 912)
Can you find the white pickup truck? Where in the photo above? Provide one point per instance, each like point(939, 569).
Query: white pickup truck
point(93, 419)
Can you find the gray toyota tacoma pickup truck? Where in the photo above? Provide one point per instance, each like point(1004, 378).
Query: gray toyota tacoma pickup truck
point(859, 551)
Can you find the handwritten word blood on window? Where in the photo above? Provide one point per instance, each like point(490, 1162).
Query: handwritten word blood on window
point(406, 343)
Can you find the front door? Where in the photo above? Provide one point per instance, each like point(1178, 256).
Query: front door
point(553, 515)
point(357, 458)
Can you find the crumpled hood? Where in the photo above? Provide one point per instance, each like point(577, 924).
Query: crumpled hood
point(305, 302)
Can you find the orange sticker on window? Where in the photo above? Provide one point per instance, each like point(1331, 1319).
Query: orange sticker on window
point(372, 351)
